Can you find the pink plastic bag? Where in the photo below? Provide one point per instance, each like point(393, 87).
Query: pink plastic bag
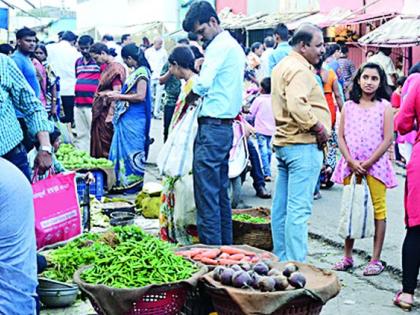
point(57, 213)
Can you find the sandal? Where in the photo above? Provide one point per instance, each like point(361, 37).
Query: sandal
point(344, 264)
point(374, 268)
point(406, 306)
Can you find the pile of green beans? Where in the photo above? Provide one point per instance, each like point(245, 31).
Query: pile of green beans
point(249, 218)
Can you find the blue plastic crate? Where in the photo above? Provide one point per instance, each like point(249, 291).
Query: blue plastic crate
point(96, 188)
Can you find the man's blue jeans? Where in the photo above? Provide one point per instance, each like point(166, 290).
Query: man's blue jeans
point(299, 166)
point(264, 146)
point(211, 182)
point(19, 157)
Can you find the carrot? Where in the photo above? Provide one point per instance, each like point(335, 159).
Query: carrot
point(211, 253)
point(208, 261)
point(196, 251)
point(197, 257)
point(237, 256)
point(233, 250)
point(246, 259)
point(266, 255)
point(255, 259)
point(227, 262)
point(224, 256)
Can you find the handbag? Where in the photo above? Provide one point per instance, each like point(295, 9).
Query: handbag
point(357, 214)
point(176, 156)
point(57, 212)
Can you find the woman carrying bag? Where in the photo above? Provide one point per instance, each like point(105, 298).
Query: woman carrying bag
point(365, 134)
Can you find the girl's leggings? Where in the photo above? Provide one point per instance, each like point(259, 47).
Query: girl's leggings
point(411, 259)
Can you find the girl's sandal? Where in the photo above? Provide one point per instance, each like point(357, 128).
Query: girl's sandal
point(374, 268)
point(404, 305)
point(344, 264)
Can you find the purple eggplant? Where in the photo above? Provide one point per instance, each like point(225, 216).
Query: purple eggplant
point(241, 279)
point(217, 272)
point(266, 284)
point(261, 268)
point(289, 269)
point(281, 282)
point(226, 276)
point(297, 280)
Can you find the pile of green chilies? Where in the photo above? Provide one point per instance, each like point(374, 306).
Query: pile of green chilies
point(249, 218)
point(126, 257)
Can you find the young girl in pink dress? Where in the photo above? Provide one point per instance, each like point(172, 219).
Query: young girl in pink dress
point(365, 134)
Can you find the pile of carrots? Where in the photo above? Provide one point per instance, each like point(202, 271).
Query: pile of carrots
point(225, 255)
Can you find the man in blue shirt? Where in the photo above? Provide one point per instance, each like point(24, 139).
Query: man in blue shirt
point(16, 94)
point(281, 33)
point(25, 43)
point(220, 84)
point(18, 265)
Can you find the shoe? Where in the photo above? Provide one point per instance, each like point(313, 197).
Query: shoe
point(317, 196)
point(345, 264)
point(374, 268)
point(267, 178)
point(405, 305)
point(263, 193)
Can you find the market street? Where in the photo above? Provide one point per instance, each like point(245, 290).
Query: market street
point(325, 248)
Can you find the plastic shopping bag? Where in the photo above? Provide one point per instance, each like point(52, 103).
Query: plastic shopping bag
point(57, 213)
point(238, 156)
point(65, 130)
point(176, 156)
point(356, 218)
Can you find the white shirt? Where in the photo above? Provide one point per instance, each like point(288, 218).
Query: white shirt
point(265, 64)
point(62, 57)
point(156, 59)
point(386, 63)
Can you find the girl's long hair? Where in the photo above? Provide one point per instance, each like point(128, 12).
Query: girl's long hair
point(383, 91)
point(135, 52)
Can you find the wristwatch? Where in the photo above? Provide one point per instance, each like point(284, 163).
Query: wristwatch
point(46, 148)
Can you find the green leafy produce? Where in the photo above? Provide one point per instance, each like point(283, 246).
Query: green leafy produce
point(249, 218)
point(72, 158)
point(124, 257)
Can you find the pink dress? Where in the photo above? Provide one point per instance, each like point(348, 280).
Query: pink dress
point(364, 133)
point(406, 122)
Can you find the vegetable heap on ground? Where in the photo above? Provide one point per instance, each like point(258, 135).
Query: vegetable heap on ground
point(225, 255)
point(125, 257)
point(249, 218)
point(72, 159)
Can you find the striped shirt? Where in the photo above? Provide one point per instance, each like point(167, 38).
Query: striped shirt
point(16, 93)
point(87, 80)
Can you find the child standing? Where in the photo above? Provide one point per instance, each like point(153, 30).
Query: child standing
point(365, 134)
point(261, 111)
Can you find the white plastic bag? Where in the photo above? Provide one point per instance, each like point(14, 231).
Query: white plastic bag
point(238, 156)
point(176, 156)
point(356, 217)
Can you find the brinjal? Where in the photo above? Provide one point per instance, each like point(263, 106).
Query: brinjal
point(266, 284)
point(241, 279)
point(236, 267)
point(261, 268)
point(297, 280)
point(226, 276)
point(289, 269)
point(281, 282)
point(274, 272)
point(246, 266)
point(217, 272)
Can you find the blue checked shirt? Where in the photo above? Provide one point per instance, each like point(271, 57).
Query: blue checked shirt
point(16, 93)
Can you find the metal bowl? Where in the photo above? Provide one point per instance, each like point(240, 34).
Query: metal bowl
point(54, 298)
point(122, 221)
point(122, 215)
point(45, 283)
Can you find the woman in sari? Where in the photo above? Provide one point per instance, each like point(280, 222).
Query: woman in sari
point(47, 80)
point(132, 117)
point(178, 213)
point(112, 78)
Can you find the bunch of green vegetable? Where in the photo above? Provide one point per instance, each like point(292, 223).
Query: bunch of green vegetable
point(124, 257)
point(244, 217)
point(72, 158)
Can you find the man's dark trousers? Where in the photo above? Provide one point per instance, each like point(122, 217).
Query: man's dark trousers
point(211, 181)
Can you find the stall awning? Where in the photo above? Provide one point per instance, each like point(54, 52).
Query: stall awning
point(402, 31)
point(322, 19)
point(368, 17)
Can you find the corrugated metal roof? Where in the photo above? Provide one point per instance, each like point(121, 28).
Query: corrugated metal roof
point(400, 31)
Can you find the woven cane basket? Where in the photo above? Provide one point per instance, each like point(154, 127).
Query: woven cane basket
point(253, 234)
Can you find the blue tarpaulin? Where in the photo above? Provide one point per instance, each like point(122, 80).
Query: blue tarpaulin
point(4, 18)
